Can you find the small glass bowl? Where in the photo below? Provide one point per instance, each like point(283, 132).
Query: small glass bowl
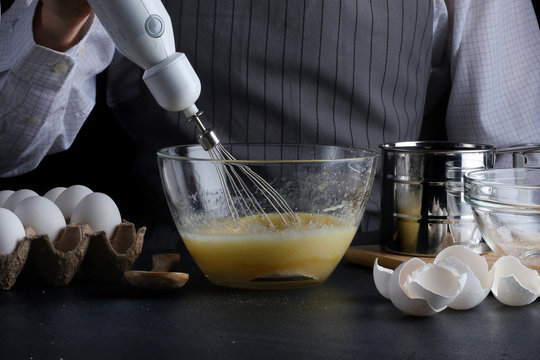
point(506, 205)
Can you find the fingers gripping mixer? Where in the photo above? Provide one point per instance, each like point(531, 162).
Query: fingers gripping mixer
point(142, 31)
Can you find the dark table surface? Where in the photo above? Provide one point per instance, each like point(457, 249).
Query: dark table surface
point(343, 318)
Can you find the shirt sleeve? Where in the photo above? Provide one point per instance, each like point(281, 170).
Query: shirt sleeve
point(493, 49)
point(45, 95)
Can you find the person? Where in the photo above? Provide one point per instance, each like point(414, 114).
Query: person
point(349, 72)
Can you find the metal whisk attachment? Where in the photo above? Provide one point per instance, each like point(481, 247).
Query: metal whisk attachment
point(241, 201)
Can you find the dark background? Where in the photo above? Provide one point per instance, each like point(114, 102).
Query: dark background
point(99, 158)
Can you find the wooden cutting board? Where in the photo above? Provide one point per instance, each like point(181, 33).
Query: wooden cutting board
point(366, 254)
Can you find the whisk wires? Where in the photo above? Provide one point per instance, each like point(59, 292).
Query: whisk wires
point(235, 178)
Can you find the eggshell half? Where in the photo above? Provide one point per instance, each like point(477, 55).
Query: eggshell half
point(398, 292)
point(465, 261)
point(381, 276)
point(513, 283)
point(438, 285)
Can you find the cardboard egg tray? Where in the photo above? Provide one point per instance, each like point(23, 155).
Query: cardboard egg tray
point(77, 251)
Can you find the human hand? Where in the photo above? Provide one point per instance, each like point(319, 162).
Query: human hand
point(60, 24)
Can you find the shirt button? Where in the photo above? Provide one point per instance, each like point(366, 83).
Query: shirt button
point(60, 68)
point(81, 50)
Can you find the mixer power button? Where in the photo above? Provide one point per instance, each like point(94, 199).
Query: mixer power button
point(154, 26)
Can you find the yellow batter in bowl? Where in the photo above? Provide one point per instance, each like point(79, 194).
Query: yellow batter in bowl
point(247, 252)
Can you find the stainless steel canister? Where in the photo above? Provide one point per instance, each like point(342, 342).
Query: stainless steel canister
point(414, 208)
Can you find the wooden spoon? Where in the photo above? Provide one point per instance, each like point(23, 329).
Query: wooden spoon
point(159, 278)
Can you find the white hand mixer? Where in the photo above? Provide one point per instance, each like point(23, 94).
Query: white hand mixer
point(142, 31)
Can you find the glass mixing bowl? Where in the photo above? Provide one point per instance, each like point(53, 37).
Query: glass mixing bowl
point(326, 187)
point(506, 205)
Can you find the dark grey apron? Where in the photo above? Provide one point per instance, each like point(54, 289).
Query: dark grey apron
point(348, 72)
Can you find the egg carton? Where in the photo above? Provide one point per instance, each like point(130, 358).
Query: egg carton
point(78, 250)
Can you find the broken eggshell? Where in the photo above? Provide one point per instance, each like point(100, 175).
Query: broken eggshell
point(514, 284)
point(463, 260)
point(437, 284)
point(420, 289)
point(381, 276)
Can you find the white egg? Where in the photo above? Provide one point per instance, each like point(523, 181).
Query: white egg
point(54, 193)
point(465, 261)
point(4, 194)
point(14, 199)
point(68, 200)
point(514, 284)
point(99, 211)
point(11, 231)
point(42, 215)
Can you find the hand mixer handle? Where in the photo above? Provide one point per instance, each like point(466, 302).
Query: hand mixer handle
point(142, 31)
